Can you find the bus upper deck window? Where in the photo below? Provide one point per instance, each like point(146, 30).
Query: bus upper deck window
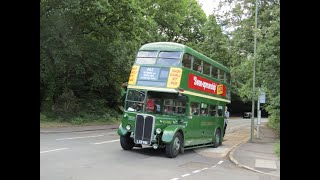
point(214, 72)
point(221, 75)
point(169, 58)
point(197, 65)
point(145, 54)
point(168, 62)
point(174, 55)
point(186, 61)
point(146, 61)
point(146, 57)
point(206, 68)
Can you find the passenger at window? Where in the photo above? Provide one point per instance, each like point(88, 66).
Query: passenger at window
point(150, 104)
point(194, 111)
point(199, 68)
point(203, 113)
point(167, 109)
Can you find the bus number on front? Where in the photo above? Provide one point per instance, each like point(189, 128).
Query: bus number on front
point(150, 69)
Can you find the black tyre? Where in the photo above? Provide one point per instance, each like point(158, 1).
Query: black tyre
point(126, 142)
point(217, 138)
point(173, 149)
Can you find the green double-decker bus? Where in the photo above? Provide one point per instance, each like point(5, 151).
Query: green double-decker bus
point(175, 99)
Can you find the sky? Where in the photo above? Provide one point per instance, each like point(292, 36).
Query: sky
point(208, 5)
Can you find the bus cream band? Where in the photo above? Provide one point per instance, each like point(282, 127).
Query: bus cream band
point(133, 75)
point(175, 91)
point(154, 89)
point(174, 77)
point(205, 96)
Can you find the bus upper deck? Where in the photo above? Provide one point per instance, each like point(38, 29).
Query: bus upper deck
point(172, 67)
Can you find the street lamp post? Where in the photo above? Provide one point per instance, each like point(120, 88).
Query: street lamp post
point(254, 72)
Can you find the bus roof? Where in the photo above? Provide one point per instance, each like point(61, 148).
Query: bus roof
point(172, 46)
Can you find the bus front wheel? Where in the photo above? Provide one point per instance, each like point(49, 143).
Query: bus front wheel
point(126, 142)
point(217, 138)
point(173, 148)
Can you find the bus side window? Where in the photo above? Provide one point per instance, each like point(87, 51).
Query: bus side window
point(227, 79)
point(206, 68)
point(220, 110)
point(204, 109)
point(221, 75)
point(180, 107)
point(212, 110)
point(157, 105)
point(195, 108)
point(186, 61)
point(197, 65)
point(214, 72)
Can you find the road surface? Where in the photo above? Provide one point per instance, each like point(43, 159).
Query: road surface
point(97, 155)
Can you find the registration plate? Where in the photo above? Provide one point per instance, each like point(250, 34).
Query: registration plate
point(142, 142)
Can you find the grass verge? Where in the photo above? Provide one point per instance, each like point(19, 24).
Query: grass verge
point(277, 149)
point(55, 122)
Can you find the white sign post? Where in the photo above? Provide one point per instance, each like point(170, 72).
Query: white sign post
point(261, 99)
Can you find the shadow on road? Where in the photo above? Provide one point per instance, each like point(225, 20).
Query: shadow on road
point(149, 151)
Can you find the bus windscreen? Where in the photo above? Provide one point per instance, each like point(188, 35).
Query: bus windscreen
point(164, 59)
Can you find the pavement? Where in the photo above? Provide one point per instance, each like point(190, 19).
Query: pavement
point(258, 156)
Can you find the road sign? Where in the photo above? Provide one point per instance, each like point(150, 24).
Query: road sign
point(262, 97)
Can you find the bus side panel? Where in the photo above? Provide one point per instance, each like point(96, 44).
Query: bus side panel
point(219, 124)
point(169, 132)
point(207, 126)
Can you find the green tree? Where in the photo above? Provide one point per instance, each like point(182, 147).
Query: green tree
point(240, 23)
point(215, 43)
point(83, 46)
point(176, 21)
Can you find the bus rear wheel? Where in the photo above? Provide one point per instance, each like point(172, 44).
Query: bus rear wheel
point(217, 139)
point(126, 142)
point(173, 148)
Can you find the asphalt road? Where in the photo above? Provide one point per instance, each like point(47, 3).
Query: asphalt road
point(97, 155)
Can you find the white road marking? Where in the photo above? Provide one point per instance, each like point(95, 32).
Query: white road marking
point(79, 137)
point(107, 141)
point(185, 175)
point(196, 171)
point(112, 133)
point(53, 150)
point(220, 162)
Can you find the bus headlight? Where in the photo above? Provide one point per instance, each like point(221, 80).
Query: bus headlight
point(128, 126)
point(158, 130)
point(155, 146)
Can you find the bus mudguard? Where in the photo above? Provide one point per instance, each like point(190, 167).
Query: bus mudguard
point(169, 132)
point(122, 131)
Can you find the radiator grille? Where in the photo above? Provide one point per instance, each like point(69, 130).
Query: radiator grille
point(144, 129)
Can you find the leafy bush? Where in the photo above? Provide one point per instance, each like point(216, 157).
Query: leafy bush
point(274, 120)
point(66, 105)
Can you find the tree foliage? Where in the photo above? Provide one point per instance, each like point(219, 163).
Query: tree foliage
point(241, 18)
point(87, 47)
